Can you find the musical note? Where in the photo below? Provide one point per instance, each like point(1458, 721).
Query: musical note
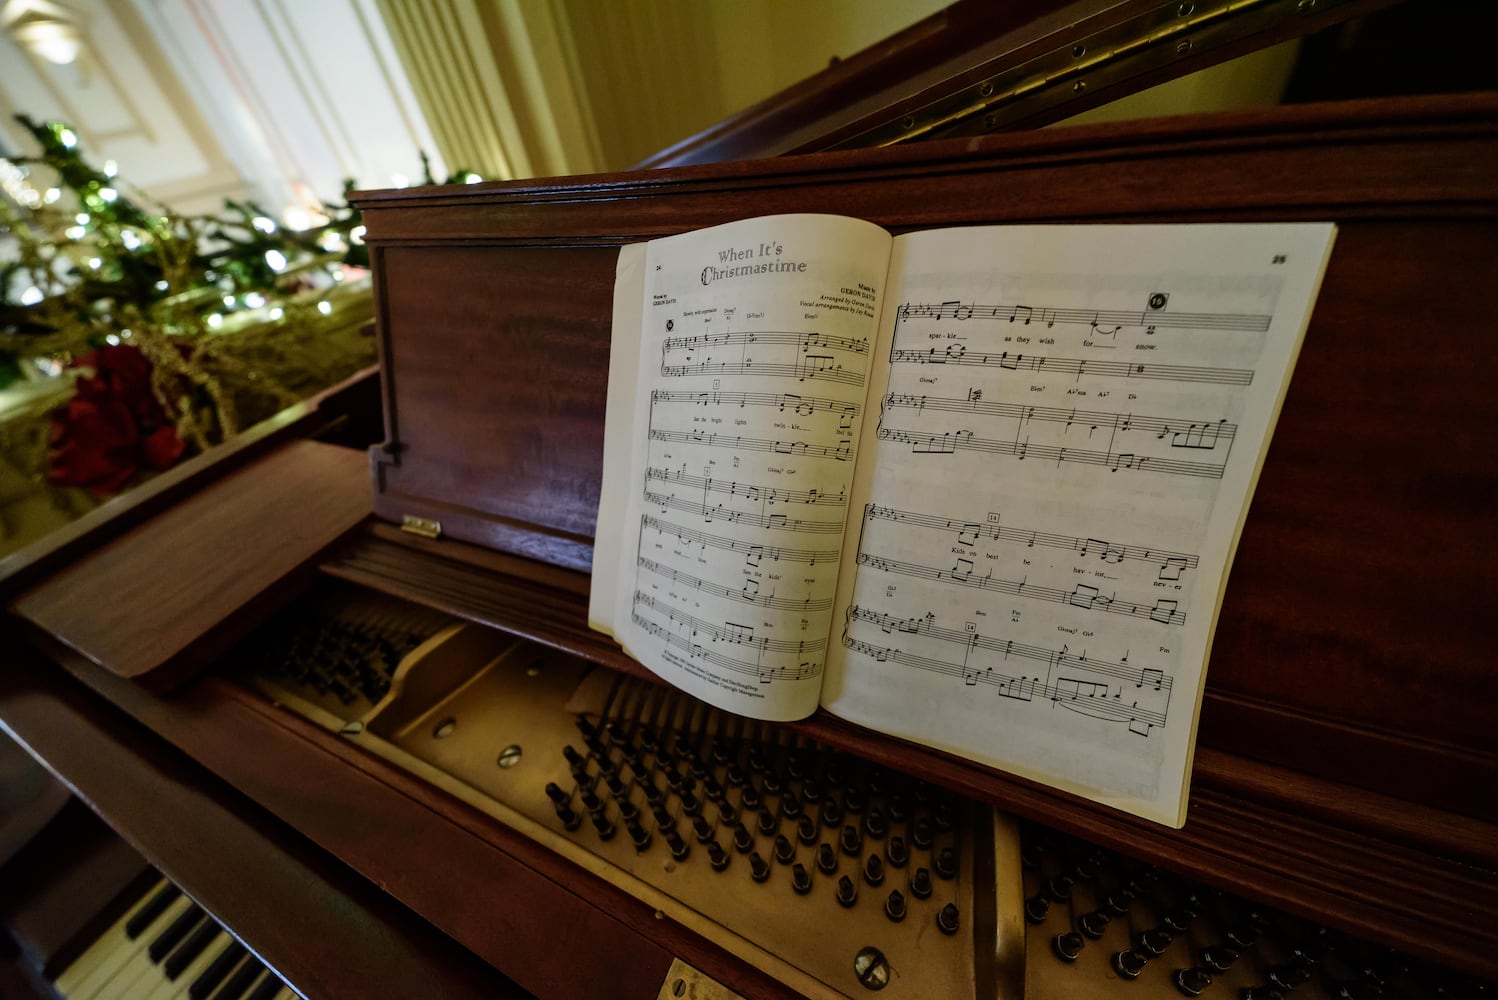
point(1203, 322)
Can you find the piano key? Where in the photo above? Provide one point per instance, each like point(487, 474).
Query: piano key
point(190, 949)
point(270, 987)
point(109, 942)
point(167, 989)
point(244, 977)
point(152, 909)
point(176, 932)
point(126, 953)
point(217, 972)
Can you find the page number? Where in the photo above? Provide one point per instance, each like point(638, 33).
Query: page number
point(1279, 258)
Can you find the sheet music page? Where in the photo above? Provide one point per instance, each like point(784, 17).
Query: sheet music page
point(754, 359)
point(1071, 424)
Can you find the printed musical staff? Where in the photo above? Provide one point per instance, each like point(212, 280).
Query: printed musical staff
point(1194, 435)
point(1103, 689)
point(969, 532)
point(752, 493)
point(838, 452)
point(749, 593)
point(1083, 596)
point(958, 354)
point(801, 356)
point(753, 553)
point(805, 341)
point(1048, 317)
point(764, 674)
point(784, 402)
point(949, 442)
point(779, 522)
point(739, 635)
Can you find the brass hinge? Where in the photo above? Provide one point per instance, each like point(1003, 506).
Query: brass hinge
point(685, 983)
point(423, 526)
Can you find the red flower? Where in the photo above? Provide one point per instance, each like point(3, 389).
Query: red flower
point(113, 426)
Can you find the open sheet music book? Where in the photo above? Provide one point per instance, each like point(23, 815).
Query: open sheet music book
point(977, 488)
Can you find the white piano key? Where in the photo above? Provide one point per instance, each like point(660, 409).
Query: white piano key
point(104, 980)
point(105, 945)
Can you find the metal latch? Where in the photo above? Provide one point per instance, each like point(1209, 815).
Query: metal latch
point(423, 526)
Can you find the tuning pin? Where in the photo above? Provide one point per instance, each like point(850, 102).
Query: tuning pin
point(627, 809)
point(727, 814)
point(735, 776)
point(800, 879)
point(832, 815)
point(806, 831)
point(759, 868)
point(768, 822)
point(946, 863)
point(1037, 907)
point(795, 765)
point(894, 905)
point(603, 825)
point(946, 920)
point(1068, 946)
point(720, 752)
point(826, 859)
point(772, 783)
point(711, 789)
point(922, 834)
point(663, 818)
point(899, 809)
point(638, 834)
point(1129, 964)
point(1220, 957)
point(702, 829)
point(690, 804)
point(1154, 941)
point(1059, 888)
point(570, 819)
point(1191, 982)
point(896, 853)
point(646, 737)
point(575, 760)
point(743, 840)
point(851, 841)
point(873, 869)
point(785, 851)
point(834, 771)
point(716, 856)
point(679, 847)
point(757, 759)
point(790, 805)
point(811, 792)
point(617, 788)
point(749, 798)
point(1264, 992)
point(854, 799)
point(1289, 975)
point(944, 816)
point(1094, 924)
point(652, 793)
point(591, 801)
point(557, 794)
point(1119, 900)
point(874, 824)
point(847, 892)
point(920, 884)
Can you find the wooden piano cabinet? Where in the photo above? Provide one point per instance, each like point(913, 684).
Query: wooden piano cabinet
point(1346, 753)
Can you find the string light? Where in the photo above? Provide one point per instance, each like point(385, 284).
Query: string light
point(471, 178)
point(67, 137)
point(356, 235)
point(276, 313)
point(264, 224)
point(215, 321)
point(276, 260)
point(95, 263)
point(76, 232)
point(83, 218)
point(129, 239)
point(254, 300)
point(108, 194)
point(31, 296)
point(111, 168)
point(52, 195)
point(399, 181)
point(162, 286)
point(325, 307)
point(228, 302)
point(112, 340)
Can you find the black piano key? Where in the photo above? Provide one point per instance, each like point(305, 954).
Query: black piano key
point(216, 971)
point(147, 914)
point(269, 987)
point(207, 932)
point(179, 929)
point(243, 977)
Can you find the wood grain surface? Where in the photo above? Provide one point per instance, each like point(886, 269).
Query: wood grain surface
point(161, 600)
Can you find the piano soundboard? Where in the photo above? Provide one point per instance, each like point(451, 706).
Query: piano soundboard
point(838, 877)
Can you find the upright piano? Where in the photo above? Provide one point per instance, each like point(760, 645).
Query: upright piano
point(347, 698)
